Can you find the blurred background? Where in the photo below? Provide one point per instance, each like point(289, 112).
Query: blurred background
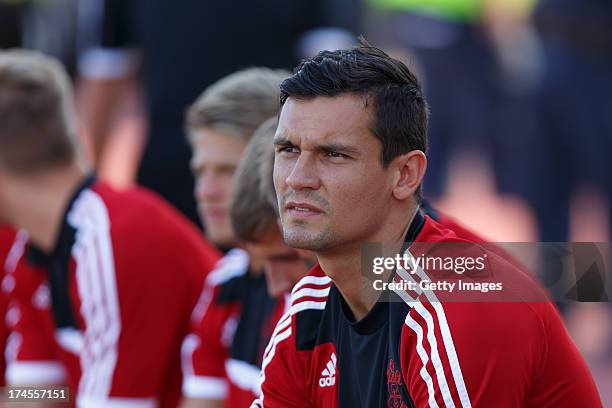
point(520, 94)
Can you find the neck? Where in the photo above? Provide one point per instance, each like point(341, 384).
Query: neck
point(42, 202)
point(344, 267)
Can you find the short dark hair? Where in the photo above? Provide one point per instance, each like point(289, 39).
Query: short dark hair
point(400, 110)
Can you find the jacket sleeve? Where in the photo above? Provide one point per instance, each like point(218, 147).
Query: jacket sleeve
point(284, 382)
point(484, 354)
point(206, 349)
point(32, 351)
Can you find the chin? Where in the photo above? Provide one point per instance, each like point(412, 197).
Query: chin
point(221, 239)
point(312, 242)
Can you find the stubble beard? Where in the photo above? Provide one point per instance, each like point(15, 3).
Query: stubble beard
point(298, 237)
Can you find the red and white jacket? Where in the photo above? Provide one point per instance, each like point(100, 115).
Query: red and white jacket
point(107, 311)
point(416, 351)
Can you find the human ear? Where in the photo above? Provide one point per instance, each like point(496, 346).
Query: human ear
point(409, 172)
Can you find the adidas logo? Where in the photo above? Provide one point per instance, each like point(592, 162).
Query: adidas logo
point(328, 375)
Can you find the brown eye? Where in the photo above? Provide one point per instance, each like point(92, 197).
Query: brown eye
point(336, 155)
point(288, 149)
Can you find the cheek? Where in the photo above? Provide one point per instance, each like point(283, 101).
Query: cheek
point(354, 184)
point(357, 193)
point(227, 187)
point(281, 172)
point(199, 188)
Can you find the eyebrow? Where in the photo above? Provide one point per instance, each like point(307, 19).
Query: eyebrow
point(337, 147)
point(281, 141)
point(323, 147)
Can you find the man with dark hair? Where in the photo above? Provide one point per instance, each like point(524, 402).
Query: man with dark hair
point(350, 159)
point(118, 272)
point(399, 109)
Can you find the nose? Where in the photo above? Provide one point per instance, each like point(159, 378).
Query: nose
point(304, 174)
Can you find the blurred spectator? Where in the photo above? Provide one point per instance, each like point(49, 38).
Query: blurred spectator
point(574, 106)
point(457, 67)
point(10, 36)
point(184, 48)
point(234, 307)
point(114, 290)
point(575, 109)
point(518, 69)
point(46, 26)
point(51, 28)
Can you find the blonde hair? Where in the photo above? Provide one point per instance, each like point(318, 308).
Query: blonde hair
point(238, 103)
point(37, 120)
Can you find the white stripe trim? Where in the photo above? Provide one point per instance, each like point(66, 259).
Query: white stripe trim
point(452, 356)
point(85, 289)
point(205, 387)
point(234, 263)
point(405, 296)
point(16, 252)
point(282, 324)
point(35, 372)
point(282, 331)
point(70, 339)
point(435, 355)
point(188, 347)
point(433, 343)
point(310, 304)
point(13, 345)
point(424, 359)
point(112, 298)
point(243, 375)
point(97, 319)
point(285, 320)
point(309, 292)
point(287, 299)
point(96, 281)
point(275, 341)
point(446, 337)
point(201, 306)
point(311, 280)
point(91, 402)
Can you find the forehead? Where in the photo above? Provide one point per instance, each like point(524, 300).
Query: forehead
point(325, 118)
point(212, 146)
